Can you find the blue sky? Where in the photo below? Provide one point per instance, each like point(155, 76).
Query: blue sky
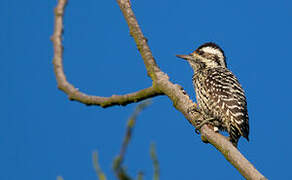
point(43, 134)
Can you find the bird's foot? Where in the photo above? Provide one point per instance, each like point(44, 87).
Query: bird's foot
point(193, 109)
point(211, 121)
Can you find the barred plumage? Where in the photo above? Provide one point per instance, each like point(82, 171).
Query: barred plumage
point(219, 94)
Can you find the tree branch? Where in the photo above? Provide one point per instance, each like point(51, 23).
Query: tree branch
point(161, 85)
point(117, 164)
point(99, 172)
point(156, 174)
point(72, 92)
point(182, 101)
point(139, 38)
point(231, 154)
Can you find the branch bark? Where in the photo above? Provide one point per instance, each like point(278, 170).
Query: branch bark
point(161, 85)
point(74, 93)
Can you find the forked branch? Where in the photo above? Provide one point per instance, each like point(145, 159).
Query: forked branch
point(161, 85)
point(74, 93)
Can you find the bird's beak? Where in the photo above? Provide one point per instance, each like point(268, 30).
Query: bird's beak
point(194, 56)
point(185, 57)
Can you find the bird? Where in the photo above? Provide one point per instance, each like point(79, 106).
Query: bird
point(219, 94)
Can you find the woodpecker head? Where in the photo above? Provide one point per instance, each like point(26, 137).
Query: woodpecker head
point(208, 55)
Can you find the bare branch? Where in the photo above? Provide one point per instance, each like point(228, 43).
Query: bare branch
point(232, 154)
point(130, 125)
point(161, 80)
point(182, 101)
point(99, 172)
point(74, 93)
point(140, 176)
point(140, 39)
point(161, 85)
point(154, 158)
point(117, 165)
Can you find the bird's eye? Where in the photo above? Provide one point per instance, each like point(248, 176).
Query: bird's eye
point(200, 52)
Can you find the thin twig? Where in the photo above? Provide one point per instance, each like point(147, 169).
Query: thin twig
point(130, 125)
point(156, 174)
point(117, 165)
point(99, 172)
point(140, 175)
point(60, 178)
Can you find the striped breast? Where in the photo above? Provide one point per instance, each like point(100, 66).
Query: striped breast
point(220, 95)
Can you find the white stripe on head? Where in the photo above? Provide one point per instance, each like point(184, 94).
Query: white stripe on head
point(212, 50)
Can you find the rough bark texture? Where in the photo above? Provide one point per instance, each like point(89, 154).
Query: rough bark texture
point(161, 86)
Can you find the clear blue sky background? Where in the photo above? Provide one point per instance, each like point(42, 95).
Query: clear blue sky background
point(43, 134)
